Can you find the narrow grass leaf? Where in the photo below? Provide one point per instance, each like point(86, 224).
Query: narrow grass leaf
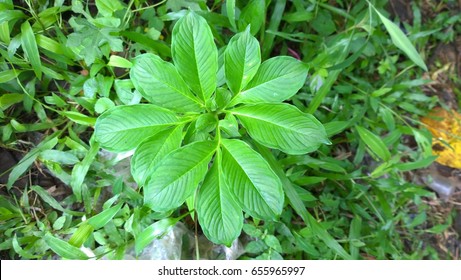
point(8, 75)
point(82, 233)
point(64, 249)
point(80, 169)
point(101, 219)
point(401, 41)
point(375, 143)
point(230, 9)
point(298, 205)
point(48, 199)
point(29, 158)
point(29, 45)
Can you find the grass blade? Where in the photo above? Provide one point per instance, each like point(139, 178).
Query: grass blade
point(29, 45)
point(401, 41)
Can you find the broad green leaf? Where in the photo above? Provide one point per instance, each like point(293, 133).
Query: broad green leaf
point(277, 79)
point(108, 7)
point(253, 14)
point(150, 152)
point(219, 215)
point(255, 186)
point(122, 128)
point(375, 143)
point(195, 55)
point(401, 41)
point(156, 230)
point(29, 158)
point(242, 58)
point(64, 249)
point(29, 45)
point(283, 127)
point(160, 83)
point(101, 219)
point(178, 175)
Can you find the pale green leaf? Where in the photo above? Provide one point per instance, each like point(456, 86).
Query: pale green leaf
point(61, 157)
point(219, 214)
point(230, 9)
point(25, 254)
point(118, 61)
point(79, 118)
point(401, 41)
point(375, 143)
point(242, 58)
point(195, 55)
point(49, 44)
point(79, 237)
point(108, 7)
point(154, 231)
point(253, 14)
point(160, 83)
point(123, 128)
point(283, 127)
point(178, 175)
point(255, 186)
point(150, 152)
point(103, 104)
point(29, 45)
point(277, 79)
point(81, 169)
point(101, 219)
point(47, 198)
point(8, 99)
point(8, 75)
point(64, 249)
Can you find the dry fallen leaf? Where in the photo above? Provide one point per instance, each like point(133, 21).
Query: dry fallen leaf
point(445, 127)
